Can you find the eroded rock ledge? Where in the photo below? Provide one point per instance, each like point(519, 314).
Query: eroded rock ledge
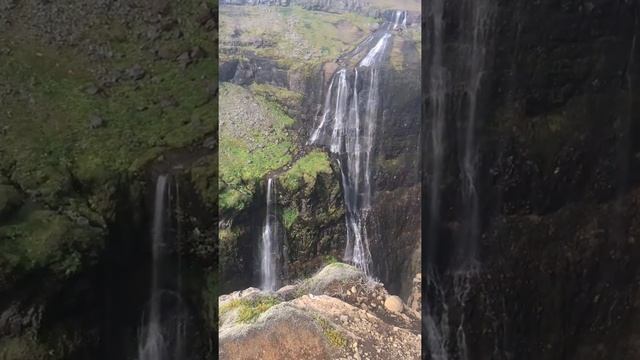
point(337, 314)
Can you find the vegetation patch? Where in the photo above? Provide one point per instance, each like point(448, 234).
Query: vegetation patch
point(330, 259)
point(249, 310)
point(277, 94)
point(254, 141)
point(44, 239)
point(306, 170)
point(292, 36)
point(289, 217)
point(204, 177)
point(23, 348)
point(333, 335)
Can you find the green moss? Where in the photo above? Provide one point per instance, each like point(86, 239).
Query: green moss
point(277, 94)
point(546, 134)
point(305, 171)
point(23, 348)
point(330, 259)
point(50, 102)
point(249, 310)
point(289, 216)
point(204, 177)
point(334, 34)
point(10, 199)
point(282, 120)
point(249, 154)
point(46, 240)
point(297, 36)
point(333, 335)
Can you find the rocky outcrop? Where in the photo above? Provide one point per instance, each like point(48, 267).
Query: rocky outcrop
point(255, 70)
point(336, 314)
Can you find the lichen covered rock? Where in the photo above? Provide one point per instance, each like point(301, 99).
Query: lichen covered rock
point(324, 319)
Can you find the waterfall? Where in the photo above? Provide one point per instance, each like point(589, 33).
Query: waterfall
point(481, 16)
point(351, 110)
point(400, 20)
point(268, 249)
point(436, 114)
point(163, 330)
point(454, 106)
point(153, 345)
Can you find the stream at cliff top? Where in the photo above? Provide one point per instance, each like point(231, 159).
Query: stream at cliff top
point(347, 127)
point(163, 330)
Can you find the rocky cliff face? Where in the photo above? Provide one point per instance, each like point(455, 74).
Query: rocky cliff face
point(293, 72)
point(556, 130)
point(397, 255)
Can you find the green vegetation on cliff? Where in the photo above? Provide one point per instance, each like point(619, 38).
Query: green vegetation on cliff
point(306, 170)
point(292, 36)
point(253, 142)
point(249, 310)
point(90, 97)
point(74, 122)
point(46, 240)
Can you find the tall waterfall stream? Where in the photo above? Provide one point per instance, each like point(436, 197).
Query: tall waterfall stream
point(269, 243)
point(446, 336)
point(348, 126)
point(163, 330)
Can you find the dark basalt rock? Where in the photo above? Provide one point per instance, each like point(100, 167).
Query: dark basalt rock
point(558, 181)
point(254, 69)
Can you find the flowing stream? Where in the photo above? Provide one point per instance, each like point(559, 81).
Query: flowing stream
point(269, 249)
point(163, 331)
point(347, 127)
point(447, 104)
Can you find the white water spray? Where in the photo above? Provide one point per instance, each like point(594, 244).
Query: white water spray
point(163, 332)
point(153, 345)
point(268, 265)
point(351, 111)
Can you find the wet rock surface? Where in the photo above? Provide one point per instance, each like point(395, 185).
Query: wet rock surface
point(557, 138)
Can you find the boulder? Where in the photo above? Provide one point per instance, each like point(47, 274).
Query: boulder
point(394, 303)
point(256, 325)
point(331, 276)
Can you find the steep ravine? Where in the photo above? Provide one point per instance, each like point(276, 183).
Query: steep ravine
point(539, 260)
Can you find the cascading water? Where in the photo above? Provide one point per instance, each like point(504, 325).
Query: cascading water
point(268, 249)
point(445, 331)
point(351, 110)
point(164, 324)
point(400, 20)
point(480, 25)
